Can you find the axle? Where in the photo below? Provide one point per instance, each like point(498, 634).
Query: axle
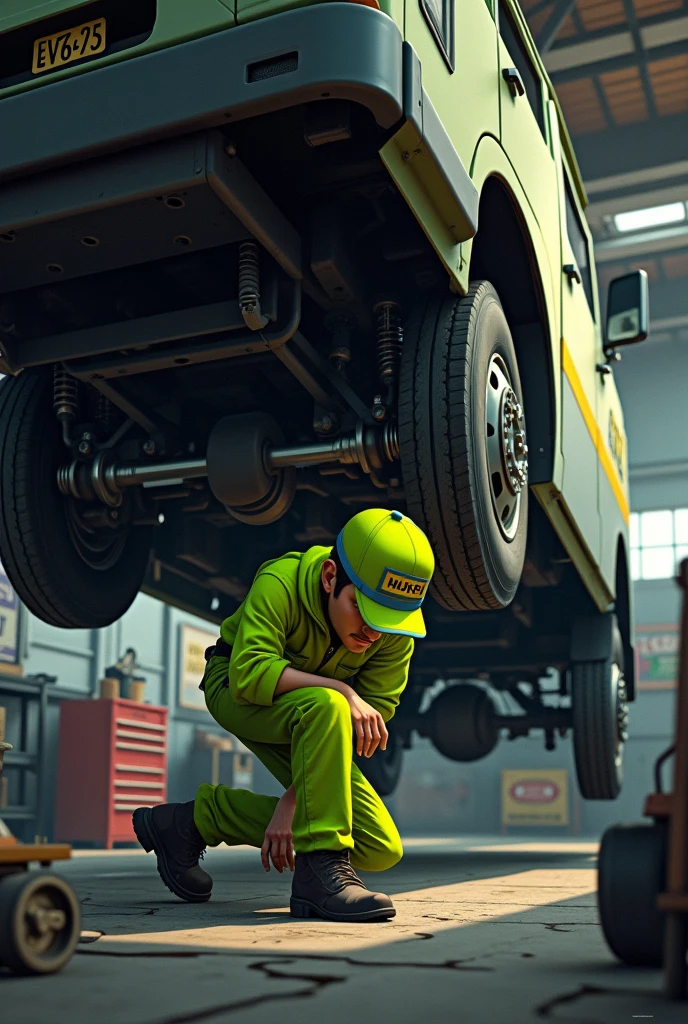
point(104, 479)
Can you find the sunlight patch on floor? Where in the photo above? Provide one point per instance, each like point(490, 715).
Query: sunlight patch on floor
point(482, 901)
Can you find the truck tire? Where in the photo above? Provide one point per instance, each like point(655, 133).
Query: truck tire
point(67, 576)
point(600, 722)
point(463, 447)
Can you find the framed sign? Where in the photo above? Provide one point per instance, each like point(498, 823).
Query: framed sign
point(535, 797)
point(657, 648)
point(9, 622)
point(192, 646)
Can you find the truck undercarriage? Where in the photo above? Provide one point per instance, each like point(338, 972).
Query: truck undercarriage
point(215, 306)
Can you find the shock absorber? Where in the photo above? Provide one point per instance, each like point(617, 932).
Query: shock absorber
point(249, 286)
point(390, 338)
point(65, 401)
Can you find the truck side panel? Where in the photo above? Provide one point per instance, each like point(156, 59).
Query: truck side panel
point(467, 99)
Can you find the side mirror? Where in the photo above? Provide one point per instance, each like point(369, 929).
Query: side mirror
point(627, 310)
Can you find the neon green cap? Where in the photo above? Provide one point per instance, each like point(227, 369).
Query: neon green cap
point(390, 563)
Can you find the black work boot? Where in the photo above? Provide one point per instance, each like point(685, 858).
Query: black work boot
point(170, 830)
point(325, 885)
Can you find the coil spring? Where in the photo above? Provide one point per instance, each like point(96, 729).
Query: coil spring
point(249, 276)
point(65, 394)
point(390, 338)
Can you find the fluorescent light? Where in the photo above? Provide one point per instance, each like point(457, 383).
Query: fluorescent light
point(651, 217)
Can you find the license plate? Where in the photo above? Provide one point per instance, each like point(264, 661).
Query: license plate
point(65, 47)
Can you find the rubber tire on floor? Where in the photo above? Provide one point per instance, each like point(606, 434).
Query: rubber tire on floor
point(17, 949)
point(383, 769)
point(593, 704)
point(36, 547)
point(631, 874)
point(448, 345)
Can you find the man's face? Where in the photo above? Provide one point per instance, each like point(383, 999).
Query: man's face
point(344, 614)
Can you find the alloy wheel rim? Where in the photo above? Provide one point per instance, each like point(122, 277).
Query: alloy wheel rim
point(507, 450)
point(621, 713)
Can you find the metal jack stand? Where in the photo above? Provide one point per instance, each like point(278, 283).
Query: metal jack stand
point(40, 919)
point(643, 869)
point(674, 901)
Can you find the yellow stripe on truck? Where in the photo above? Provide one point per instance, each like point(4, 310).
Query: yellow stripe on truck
point(598, 440)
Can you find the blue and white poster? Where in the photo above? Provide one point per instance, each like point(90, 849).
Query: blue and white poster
point(9, 618)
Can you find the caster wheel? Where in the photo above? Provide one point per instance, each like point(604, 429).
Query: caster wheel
point(40, 922)
point(631, 874)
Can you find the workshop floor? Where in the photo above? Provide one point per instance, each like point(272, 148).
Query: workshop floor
point(488, 931)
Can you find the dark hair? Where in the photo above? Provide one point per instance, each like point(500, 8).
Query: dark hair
point(342, 578)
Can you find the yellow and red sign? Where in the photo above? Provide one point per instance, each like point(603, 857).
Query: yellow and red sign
point(535, 797)
point(657, 648)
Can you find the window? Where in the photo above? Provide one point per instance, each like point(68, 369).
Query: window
point(659, 540)
point(579, 244)
point(439, 15)
point(521, 58)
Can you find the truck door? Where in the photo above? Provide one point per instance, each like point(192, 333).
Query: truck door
point(525, 136)
point(581, 351)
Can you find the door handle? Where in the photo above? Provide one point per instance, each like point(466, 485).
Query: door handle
point(512, 77)
point(571, 271)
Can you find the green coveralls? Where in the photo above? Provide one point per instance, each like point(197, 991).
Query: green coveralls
point(304, 736)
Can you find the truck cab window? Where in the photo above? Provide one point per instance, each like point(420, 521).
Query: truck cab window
point(439, 15)
point(531, 79)
point(579, 244)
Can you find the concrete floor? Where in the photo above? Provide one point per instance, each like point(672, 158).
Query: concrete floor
point(493, 931)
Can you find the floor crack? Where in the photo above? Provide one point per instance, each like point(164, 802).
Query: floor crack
point(545, 1009)
point(451, 965)
point(267, 967)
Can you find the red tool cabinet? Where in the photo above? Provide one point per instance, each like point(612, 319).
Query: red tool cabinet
point(112, 758)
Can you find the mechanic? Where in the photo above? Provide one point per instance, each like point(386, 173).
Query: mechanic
point(315, 657)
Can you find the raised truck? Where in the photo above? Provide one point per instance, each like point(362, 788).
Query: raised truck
point(264, 263)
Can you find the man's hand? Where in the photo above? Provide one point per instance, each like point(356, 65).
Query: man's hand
point(369, 725)
point(279, 842)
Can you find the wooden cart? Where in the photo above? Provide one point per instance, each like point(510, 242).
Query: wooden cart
point(40, 917)
point(643, 869)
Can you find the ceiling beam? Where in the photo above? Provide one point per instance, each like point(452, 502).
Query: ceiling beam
point(634, 25)
point(595, 46)
point(550, 30)
point(641, 176)
point(629, 148)
point(618, 56)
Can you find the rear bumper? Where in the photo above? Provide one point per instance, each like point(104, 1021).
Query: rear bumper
point(345, 50)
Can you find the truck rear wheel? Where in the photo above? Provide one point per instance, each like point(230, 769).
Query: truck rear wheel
point(68, 573)
point(463, 447)
point(600, 723)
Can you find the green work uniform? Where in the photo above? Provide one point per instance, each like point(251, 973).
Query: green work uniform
point(304, 736)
